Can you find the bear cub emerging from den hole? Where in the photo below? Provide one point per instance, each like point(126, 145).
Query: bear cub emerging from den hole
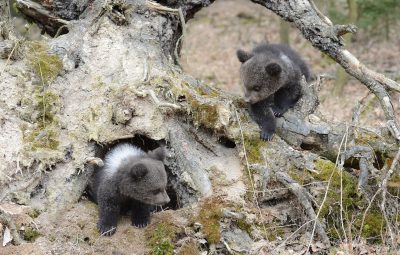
point(130, 179)
point(271, 76)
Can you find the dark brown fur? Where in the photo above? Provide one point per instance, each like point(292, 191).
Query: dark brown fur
point(271, 76)
point(139, 182)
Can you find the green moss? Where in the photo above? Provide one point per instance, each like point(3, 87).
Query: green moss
point(203, 114)
point(243, 225)
point(254, 149)
point(160, 237)
point(209, 217)
point(46, 66)
point(373, 225)
point(300, 177)
point(353, 204)
point(207, 91)
point(34, 213)
point(46, 104)
point(273, 231)
point(349, 186)
point(30, 234)
point(366, 138)
point(45, 133)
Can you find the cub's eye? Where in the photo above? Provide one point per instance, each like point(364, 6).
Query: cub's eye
point(156, 191)
point(257, 88)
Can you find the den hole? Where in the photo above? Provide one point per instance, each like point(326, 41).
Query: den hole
point(225, 141)
point(310, 146)
point(146, 144)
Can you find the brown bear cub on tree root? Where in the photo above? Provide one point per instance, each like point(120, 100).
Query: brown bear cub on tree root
point(130, 179)
point(271, 75)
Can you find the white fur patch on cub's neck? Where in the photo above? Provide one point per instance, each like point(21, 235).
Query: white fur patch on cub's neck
point(117, 155)
point(288, 62)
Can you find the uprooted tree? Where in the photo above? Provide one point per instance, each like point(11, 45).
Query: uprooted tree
point(111, 74)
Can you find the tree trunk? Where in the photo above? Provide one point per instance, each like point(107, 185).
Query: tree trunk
point(120, 82)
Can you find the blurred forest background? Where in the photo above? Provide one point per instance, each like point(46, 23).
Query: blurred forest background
point(214, 35)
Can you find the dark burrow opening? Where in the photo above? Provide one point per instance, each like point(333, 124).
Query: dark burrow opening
point(225, 141)
point(146, 144)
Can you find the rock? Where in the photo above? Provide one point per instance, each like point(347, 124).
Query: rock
point(238, 240)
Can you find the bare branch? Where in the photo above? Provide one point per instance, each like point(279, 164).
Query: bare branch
point(39, 13)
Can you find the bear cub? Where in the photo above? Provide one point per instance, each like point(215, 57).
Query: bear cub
point(130, 179)
point(271, 75)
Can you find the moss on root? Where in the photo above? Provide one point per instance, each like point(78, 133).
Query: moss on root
point(203, 114)
point(243, 225)
point(352, 204)
point(45, 132)
point(30, 234)
point(45, 65)
point(209, 217)
point(41, 106)
point(254, 150)
point(160, 236)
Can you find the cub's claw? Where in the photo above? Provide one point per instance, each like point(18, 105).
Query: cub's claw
point(140, 222)
point(277, 112)
point(106, 230)
point(266, 136)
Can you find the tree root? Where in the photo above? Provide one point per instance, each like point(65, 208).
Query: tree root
point(303, 198)
point(38, 12)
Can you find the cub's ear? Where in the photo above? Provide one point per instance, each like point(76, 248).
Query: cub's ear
point(138, 171)
point(273, 69)
point(158, 154)
point(243, 56)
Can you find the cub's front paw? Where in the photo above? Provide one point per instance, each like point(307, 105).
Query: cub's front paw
point(266, 135)
point(105, 229)
point(140, 221)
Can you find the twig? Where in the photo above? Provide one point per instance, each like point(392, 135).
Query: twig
point(12, 52)
point(326, 194)
point(60, 29)
point(248, 169)
point(159, 7)
point(146, 71)
point(341, 186)
point(384, 190)
point(179, 41)
point(366, 211)
point(153, 96)
point(291, 235)
point(302, 197)
point(319, 13)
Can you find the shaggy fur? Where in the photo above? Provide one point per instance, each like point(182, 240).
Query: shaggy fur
point(130, 180)
point(271, 76)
